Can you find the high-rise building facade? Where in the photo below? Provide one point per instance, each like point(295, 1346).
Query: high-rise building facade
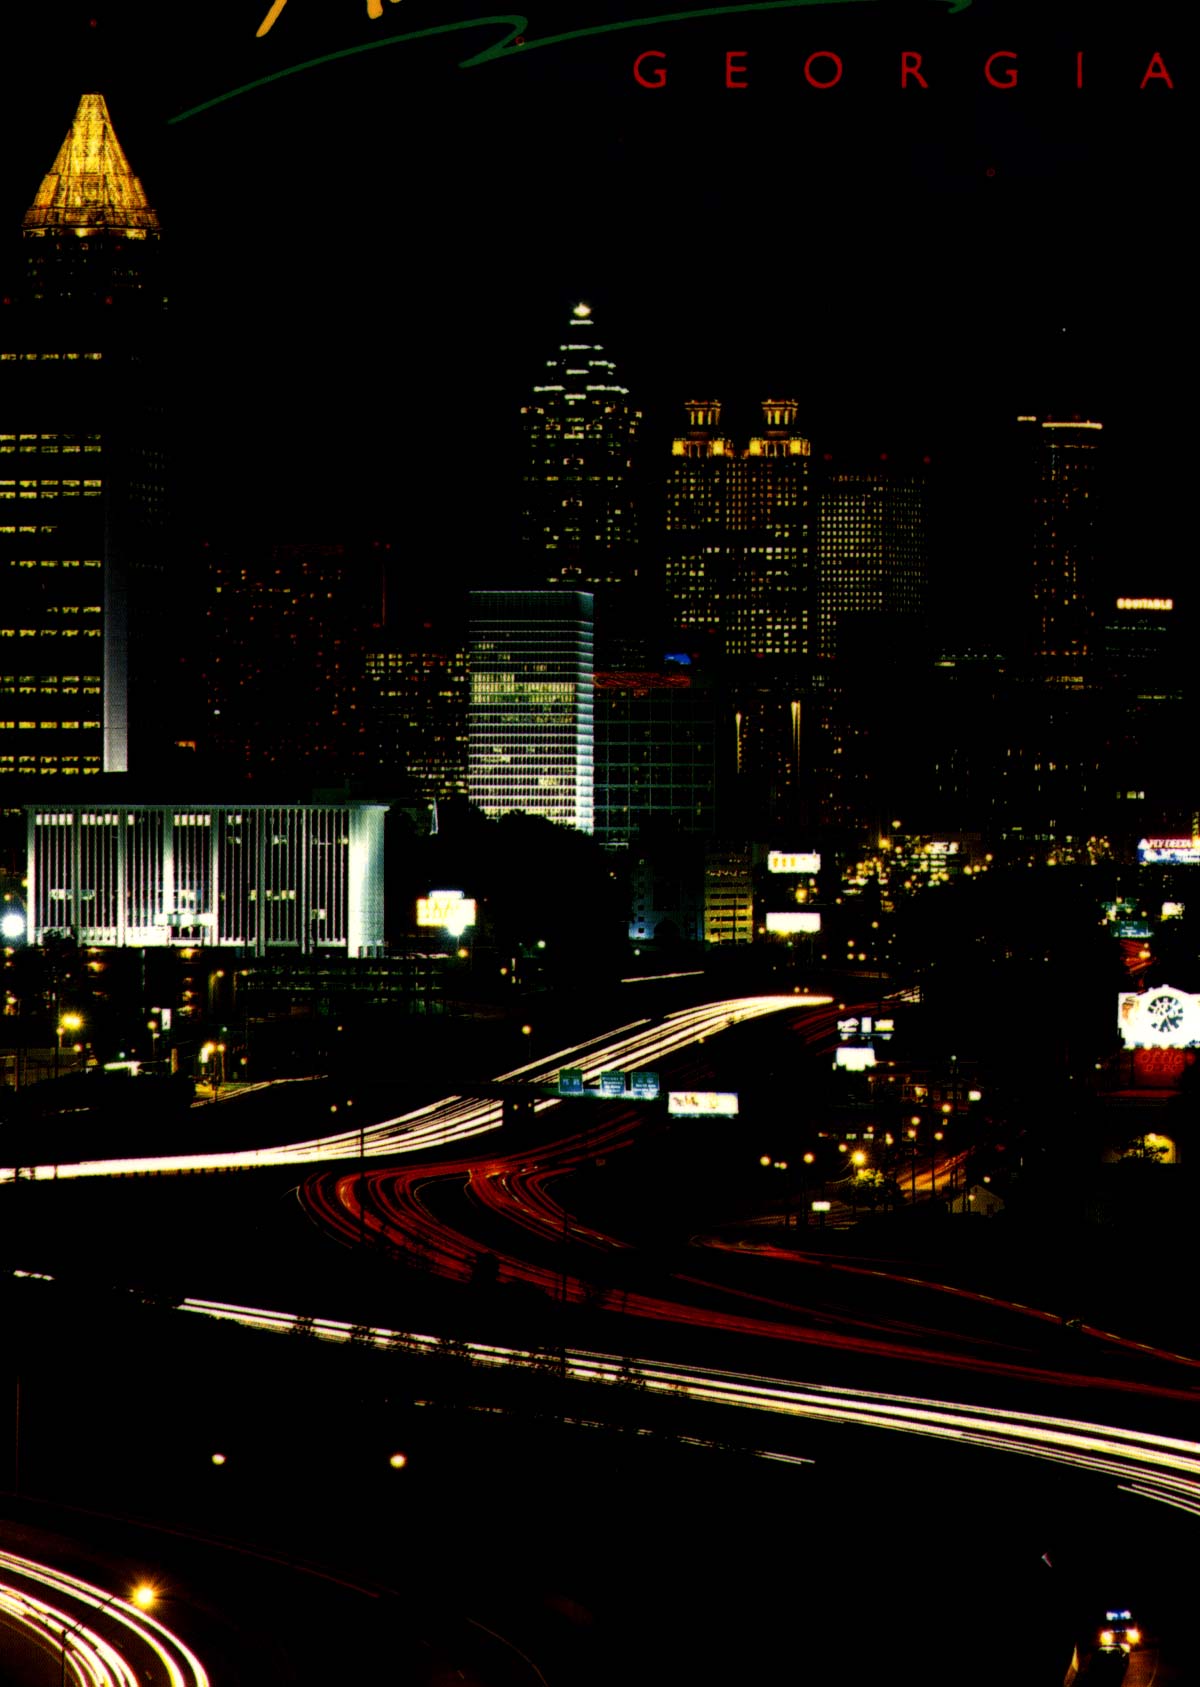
point(740, 561)
point(579, 524)
point(418, 692)
point(82, 472)
point(286, 632)
point(1061, 465)
point(873, 550)
point(530, 725)
point(872, 601)
point(739, 589)
point(656, 755)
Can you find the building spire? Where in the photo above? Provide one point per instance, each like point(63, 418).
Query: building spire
point(91, 188)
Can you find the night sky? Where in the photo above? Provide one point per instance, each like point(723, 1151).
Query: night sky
point(373, 257)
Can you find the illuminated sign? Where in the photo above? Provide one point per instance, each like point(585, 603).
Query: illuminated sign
point(1163, 603)
point(1161, 1018)
point(1133, 928)
point(779, 862)
point(865, 1025)
point(786, 923)
point(612, 1083)
point(570, 1080)
point(1172, 910)
point(854, 1059)
point(699, 1104)
point(449, 909)
point(1177, 852)
point(644, 1085)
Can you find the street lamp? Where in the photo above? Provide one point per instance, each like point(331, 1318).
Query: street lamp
point(216, 1053)
point(68, 1022)
point(143, 1596)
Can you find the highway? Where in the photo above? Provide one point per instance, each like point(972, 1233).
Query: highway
point(99, 1638)
point(456, 1118)
point(1164, 1469)
point(466, 1197)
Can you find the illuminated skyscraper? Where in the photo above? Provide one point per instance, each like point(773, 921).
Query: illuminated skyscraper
point(873, 563)
point(1061, 468)
point(740, 575)
point(81, 465)
point(739, 586)
point(578, 518)
point(417, 691)
point(530, 733)
point(873, 551)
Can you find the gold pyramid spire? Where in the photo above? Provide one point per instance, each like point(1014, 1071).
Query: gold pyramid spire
point(91, 188)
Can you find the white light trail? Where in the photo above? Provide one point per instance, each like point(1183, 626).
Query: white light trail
point(1157, 1467)
point(456, 1118)
point(92, 1660)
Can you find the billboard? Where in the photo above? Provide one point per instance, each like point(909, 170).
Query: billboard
point(778, 861)
point(854, 1059)
point(797, 920)
point(1161, 1018)
point(865, 1025)
point(700, 1104)
point(1168, 852)
point(449, 909)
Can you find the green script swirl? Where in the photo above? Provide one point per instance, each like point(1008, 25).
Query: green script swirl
point(508, 47)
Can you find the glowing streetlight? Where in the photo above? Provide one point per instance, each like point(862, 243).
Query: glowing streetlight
point(211, 1051)
point(71, 1022)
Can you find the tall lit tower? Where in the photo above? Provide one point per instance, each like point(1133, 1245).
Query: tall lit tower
point(530, 723)
point(578, 519)
point(740, 573)
point(873, 551)
point(739, 585)
point(872, 601)
point(81, 461)
point(1061, 468)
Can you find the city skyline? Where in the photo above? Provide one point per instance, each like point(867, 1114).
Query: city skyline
point(353, 257)
point(644, 940)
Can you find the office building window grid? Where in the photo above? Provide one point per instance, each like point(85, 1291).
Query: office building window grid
point(738, 569)
point(531, 729)
point(247, 877)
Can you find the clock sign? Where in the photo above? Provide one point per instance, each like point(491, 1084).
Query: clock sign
point(1160, 1018)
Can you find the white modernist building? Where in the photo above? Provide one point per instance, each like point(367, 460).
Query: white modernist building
point(246, 876)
